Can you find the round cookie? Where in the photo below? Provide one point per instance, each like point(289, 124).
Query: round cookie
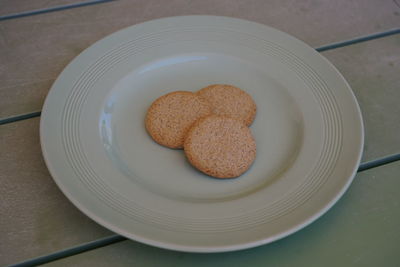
point(230, 101)
point(170, 117)
point(220, 146)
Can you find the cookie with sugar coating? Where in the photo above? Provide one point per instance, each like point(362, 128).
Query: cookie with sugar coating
point(228, 100)
point(170, 117)
point(220, 146)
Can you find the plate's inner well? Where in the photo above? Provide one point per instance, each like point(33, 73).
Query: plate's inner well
point(278, 127)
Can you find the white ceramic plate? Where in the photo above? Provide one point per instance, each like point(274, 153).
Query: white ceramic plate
point(308, 131)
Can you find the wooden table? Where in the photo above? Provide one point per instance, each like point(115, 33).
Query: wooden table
point(39, 38)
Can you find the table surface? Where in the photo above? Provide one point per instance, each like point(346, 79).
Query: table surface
point(36, 219)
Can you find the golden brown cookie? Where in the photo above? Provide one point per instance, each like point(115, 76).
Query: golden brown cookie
point(220, 146)
point(228, 100)
point(170, 117)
